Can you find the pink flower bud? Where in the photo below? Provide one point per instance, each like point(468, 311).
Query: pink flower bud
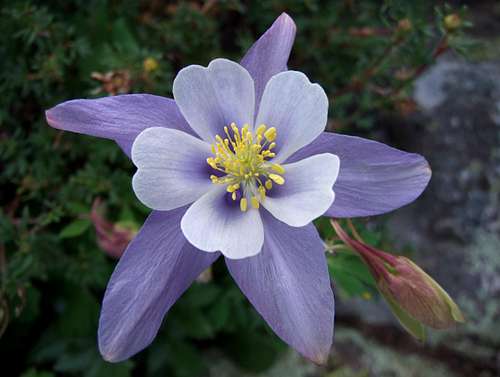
point(112, 238)
point(408, 289)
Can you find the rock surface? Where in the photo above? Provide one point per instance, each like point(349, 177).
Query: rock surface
point(458, 239)
point(454, 228)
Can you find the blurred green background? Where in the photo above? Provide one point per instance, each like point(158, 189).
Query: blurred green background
point(67, 207)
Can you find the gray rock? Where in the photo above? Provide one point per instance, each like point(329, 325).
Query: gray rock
point(454, 229)
point(457, 235)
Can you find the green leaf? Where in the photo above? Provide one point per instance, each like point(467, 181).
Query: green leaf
point(253, 351)
point(75, 229)
point(77, 208)
point(80, 315)
point(34, 373)
point(185, 359)
point(350, 273)
point(219, 312)
point(194, 323)
point(200, 295)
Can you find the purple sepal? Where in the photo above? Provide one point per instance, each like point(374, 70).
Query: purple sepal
point(120, 118)
point(157, 267)
point(373, 179)
point(269, 54)
point(289, 285)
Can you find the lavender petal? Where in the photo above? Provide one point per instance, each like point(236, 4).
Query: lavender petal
point(297, 108)
point(215, 222)
point(171, 168)
point(307, 192)
point(215, 96)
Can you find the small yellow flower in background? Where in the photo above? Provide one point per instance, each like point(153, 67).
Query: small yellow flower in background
point(150, 65)
point(452, 22)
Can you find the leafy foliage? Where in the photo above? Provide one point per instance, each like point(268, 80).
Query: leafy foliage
point(53, 273)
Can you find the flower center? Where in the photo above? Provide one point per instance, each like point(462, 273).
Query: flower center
point(243, 157)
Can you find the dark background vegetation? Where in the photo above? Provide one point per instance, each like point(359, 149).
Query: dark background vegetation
point(366, 54)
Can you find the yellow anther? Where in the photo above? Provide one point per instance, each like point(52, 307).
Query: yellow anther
point(270, 134)
point(255, 202)
point(233, 188)
point(260, 130)
point(278, 168)
point(243, 204)
point(269, 184)
point(233, 195)
point(262, 192)
point(271, 146)
point(278, 179)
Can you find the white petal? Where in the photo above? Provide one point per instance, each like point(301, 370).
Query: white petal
point(297, 108)
point(215, 223)
point(307, 192)
point(172, 168)
point(213, 97)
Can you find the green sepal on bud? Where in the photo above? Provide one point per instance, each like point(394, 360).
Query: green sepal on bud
point(410, 324)
point(414, 297)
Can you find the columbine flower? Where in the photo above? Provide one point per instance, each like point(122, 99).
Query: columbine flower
point(238, 164)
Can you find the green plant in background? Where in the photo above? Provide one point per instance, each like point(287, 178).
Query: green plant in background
point(365, 54)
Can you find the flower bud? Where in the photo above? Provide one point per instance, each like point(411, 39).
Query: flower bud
point(419, 295)
point(113, 82)
point(415, 298)
point(404, 25)
point(112, 238)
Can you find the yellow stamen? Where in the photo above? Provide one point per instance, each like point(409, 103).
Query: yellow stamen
point(243, 204)
point(243, 157)
point(270, 134)
point(262, 192)
point(260, 129)
point(278, 179)
point(278, 168)
point(255, 202)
